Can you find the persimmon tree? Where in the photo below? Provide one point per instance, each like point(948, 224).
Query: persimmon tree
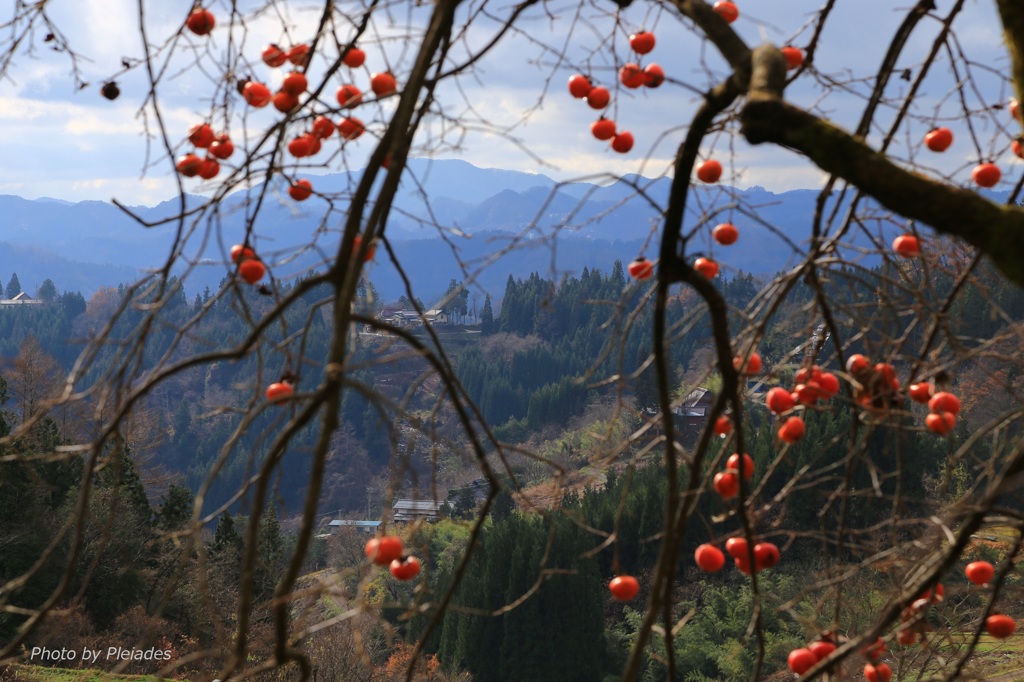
point(370, 85)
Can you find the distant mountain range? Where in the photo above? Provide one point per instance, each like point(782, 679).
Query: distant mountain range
point(86, 245)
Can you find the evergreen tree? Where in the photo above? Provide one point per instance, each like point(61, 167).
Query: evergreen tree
point(226, 537)
point(120, 473)
point(48, 291)
point(520, 655)
point(555, 634)
point(465, 504)
point(32, 492)
point(367, 299)
point(168, 584)
point(509, 301)
point(617, 278)
point(646, 385)
point(73, 304)
point(13, 286)
point(407, 303)
point(451, 300)
point(487, 317)
point(114, 565)
point(463, 301)
point(175, 512)
point(226, 549)
point(269, 553)
point(503, 507)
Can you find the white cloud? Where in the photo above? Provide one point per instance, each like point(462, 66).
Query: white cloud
point(66, 140)
point(148, 192)
point(89, 184)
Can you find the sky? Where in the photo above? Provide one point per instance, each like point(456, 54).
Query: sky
point(69, 143)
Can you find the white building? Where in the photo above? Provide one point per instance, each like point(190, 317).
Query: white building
point(21, 299)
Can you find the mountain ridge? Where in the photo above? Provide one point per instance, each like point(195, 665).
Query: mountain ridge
point(588, 222)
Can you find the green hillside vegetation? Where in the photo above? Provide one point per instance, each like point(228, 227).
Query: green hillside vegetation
point(537, 370)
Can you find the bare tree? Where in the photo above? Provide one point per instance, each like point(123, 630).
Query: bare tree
point(34, 379)
point(834, 310)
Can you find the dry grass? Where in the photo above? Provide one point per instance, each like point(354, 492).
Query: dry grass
point(33, 673)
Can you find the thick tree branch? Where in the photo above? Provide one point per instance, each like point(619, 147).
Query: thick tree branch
point(997, 231)
point(1012, 14)
point(719, 32)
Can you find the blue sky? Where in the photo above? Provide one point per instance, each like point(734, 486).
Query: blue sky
point(75, 145)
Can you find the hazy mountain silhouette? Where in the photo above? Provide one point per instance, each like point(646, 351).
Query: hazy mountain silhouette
point(34, 265)
point(475, 210)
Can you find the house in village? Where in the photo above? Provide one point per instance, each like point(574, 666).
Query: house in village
point(405, 511)
point(400, 316)
point(21, 299)
point(689, 415)
point(335, 524)
point(368, 526)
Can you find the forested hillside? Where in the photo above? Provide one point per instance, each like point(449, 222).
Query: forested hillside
point(538, 362)
point(539, 370)
point(724, 381)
